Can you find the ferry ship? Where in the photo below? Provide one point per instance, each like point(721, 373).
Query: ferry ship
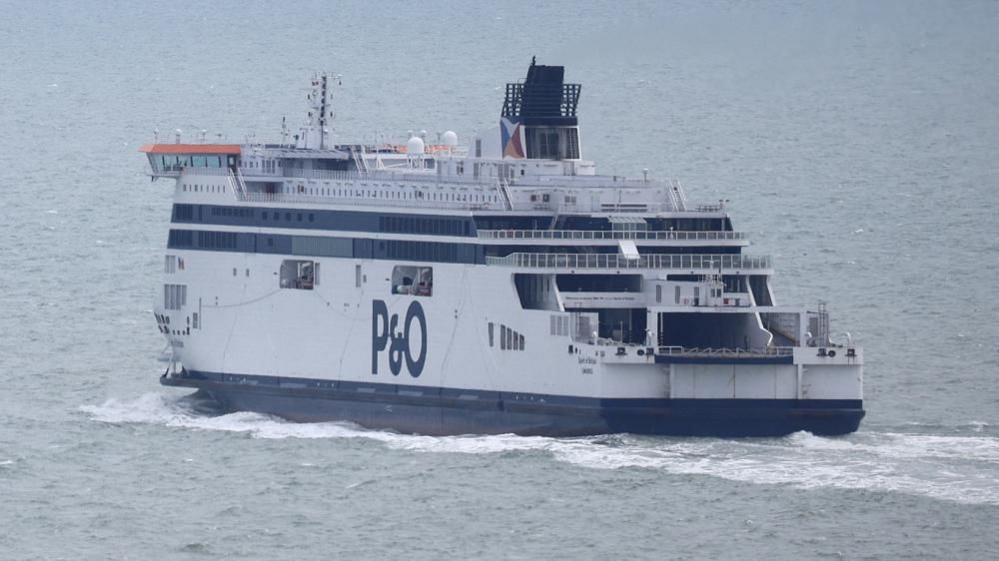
point(502, 286)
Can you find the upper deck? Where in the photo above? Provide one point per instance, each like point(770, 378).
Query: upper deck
point(266, 180)
point(531, 162)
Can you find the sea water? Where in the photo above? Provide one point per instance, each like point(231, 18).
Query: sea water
point(857, 142)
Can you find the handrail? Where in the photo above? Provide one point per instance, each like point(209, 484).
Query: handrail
point(704, 262)
point(236, 183)
point(682, 235)
point(725, 352)
point(505, 191)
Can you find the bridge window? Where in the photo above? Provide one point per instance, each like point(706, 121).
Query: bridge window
point(299, 274)
point(411, 280)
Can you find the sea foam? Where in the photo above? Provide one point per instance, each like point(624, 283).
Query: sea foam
point(954, 468)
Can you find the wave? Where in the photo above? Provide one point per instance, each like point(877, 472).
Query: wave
point(954, 468)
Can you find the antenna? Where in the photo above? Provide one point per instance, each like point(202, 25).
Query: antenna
point(322, 113)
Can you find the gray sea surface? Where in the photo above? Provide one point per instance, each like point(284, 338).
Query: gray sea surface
point(858, 142)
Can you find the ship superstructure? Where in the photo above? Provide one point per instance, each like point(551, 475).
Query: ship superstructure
point(502, 286)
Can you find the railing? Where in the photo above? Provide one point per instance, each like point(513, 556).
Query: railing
point(707, 262)
point(608, 235)
point(429, 176)
point(676, 195)
point(259, 197)
point(725, 352)
point(509, 195)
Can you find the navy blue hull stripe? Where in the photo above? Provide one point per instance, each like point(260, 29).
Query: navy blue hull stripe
point(436, 410)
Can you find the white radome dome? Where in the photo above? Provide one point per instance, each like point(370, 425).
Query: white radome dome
point(414, 146)
point(450, 139)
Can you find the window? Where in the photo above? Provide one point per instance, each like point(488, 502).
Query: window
point(491, 325)
point(572, 144)
point(174, 296)
point(357, 276)
point(298, 274)
point(217, 240)
point(412, 280)
point(555, 325)
point(170, 266)
point(510, 340)
point(183, 213)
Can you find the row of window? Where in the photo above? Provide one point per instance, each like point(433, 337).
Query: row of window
point(199, 188)
point(326, 247)
point(509, 339)
point(425, 251)
point(344, 220)
point(236, 211)
point(422, 225)
point(217, 240)
point(267, 166)
point(167, 162)
point(276, 216)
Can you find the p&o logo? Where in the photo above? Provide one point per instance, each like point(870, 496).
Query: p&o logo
point(385, 333)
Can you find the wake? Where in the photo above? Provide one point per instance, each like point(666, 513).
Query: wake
point(956, 468)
